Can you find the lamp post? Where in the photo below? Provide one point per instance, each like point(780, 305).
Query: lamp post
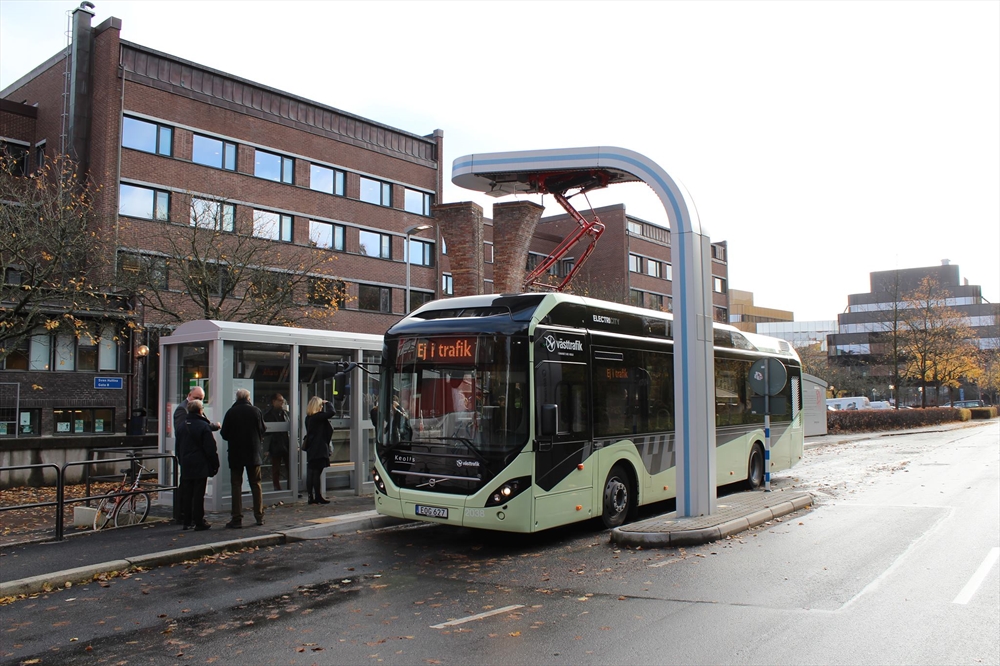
point(410, 231)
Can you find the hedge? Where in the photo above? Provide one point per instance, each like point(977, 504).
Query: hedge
point(869, 420)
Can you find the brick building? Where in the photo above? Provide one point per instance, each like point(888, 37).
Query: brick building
point(176, 146)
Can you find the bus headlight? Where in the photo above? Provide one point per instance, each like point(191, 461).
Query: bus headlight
point(379, 483)
point(508, 491)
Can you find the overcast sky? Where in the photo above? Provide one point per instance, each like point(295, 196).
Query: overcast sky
point(822, 140)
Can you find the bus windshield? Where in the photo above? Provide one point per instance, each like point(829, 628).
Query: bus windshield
point(465, 392)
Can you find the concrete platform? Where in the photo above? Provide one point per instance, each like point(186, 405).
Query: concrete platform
point(734, 514)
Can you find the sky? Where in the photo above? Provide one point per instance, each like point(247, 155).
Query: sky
point(821, 140)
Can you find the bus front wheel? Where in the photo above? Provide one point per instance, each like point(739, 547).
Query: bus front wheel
point(618, 497)
point(755, 467)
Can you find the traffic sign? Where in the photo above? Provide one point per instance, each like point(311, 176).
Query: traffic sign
point(767, 376)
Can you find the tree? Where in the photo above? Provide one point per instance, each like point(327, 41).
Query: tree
point(887, 339)
point(54, 266)
point(815, 361)
point(231, 268)
point(937, 343)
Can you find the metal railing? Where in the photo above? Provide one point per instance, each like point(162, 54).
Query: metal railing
point(61, 502)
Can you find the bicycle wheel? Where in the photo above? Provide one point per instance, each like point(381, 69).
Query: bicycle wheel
point(104, 511)
point(134, 510)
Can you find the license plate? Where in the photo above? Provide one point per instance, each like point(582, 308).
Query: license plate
point(432, 511)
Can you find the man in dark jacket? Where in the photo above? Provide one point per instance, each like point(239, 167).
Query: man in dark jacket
point(199, 459)
point(243, 427)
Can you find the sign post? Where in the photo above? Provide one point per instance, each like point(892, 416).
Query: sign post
point(767, 378)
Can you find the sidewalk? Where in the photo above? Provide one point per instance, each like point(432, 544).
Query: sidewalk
point(30, 567)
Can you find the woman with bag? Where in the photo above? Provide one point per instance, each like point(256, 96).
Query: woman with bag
point(277, 441)
point(319, 432)
point(198, 456)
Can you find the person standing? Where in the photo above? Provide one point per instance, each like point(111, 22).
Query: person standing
point(199, 460)
point(181, 413)
point(319, 432)
point(278, 440)
point(243, 427)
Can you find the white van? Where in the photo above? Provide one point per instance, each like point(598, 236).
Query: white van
point(848, 403)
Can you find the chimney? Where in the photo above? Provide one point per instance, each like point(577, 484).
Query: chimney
point(946, 262)
point(81, 55)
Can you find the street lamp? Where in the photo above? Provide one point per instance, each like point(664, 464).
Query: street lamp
point(409, 231)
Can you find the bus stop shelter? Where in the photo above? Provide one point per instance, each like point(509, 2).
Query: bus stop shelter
point(298, 363)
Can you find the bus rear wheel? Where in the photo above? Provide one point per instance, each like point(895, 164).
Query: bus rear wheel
point(618, 497)
point(755, 467)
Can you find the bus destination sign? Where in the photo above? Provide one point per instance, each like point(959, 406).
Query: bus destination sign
point(457, 350)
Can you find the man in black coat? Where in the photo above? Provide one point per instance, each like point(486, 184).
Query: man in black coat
point(243, 427)
point(199, 459)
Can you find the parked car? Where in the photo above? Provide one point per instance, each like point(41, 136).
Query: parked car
point(965, 404)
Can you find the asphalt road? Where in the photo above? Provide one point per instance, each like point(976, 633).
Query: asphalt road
point(882, 570)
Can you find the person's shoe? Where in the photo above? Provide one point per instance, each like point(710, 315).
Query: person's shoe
point(187, 527)
point(322, 500)
point(312, 501)
point(234, 524)
point(260, 521)
point(203, 527)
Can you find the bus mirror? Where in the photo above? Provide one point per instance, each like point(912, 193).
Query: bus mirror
point(549, 420)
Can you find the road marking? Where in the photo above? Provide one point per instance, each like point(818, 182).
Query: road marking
point(478, 616)
point(969, 591)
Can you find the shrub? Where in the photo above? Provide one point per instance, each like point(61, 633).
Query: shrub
point(984, 412)
point(872, 420)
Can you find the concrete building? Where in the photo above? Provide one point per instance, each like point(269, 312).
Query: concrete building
point(862, 331)
point(744, 315)
point(800, 333)
point(175, 146)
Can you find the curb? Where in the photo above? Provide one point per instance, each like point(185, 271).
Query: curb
point(358, 522)
point(697, 537)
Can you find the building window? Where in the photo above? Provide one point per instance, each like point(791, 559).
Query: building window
point(217, 278)
point(15, 157)
point(421, 253)
point(719, 252)
point(447, 284)
point(278, 168)
point(566, 266)
point(324, 179)
point(634, 263)
point(375, 245)
point(653, 268)
point(670, 303)
point(488, 253)
point(17, 359)
point(418, 298)
point(147, 137)
point(635, 297)
point(668, 272)
point(326, 235)
point(444, 246)
point(77, 421)
point(273, 226)
point(23, 421)
point(374, 299)
point(214, 153)
point(143, 269)
point(635, 227)
point(656, 301)
point(213, 215)
point(65, 352)
point(40, 357)
point(327, 292)
point(143, 202)
point(721, 315)
point(376, 192)
point(416, 202)
point(718, 285)
point(40, 155)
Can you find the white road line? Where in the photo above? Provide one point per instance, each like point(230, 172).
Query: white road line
point(969, 591)
point(478, 616)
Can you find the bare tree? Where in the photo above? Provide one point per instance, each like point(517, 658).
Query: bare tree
point(221, 266)
point(54, 266)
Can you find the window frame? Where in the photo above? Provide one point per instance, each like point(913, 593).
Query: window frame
point(338, 296)
point(223, 219)
point(285, 225)
point(384, 241)
point(338, 236)
point(422, 207)
point(447, 284)
point(426, 254)
point(227, 149)
point(286, 167)
point(338, 181)
point(384, 190)
point(159, 129)
point(383, 294)
point(160, 203)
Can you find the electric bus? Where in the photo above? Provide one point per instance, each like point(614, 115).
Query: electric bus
point(524, 412)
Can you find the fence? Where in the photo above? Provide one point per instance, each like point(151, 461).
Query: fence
point(61, 472)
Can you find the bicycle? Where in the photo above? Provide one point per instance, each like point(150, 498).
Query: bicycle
point(124, 505)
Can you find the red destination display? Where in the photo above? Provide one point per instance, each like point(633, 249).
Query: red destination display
point(460, 350)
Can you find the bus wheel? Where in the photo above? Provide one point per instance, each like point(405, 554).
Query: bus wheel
point(618, 498)
point(755, 467)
